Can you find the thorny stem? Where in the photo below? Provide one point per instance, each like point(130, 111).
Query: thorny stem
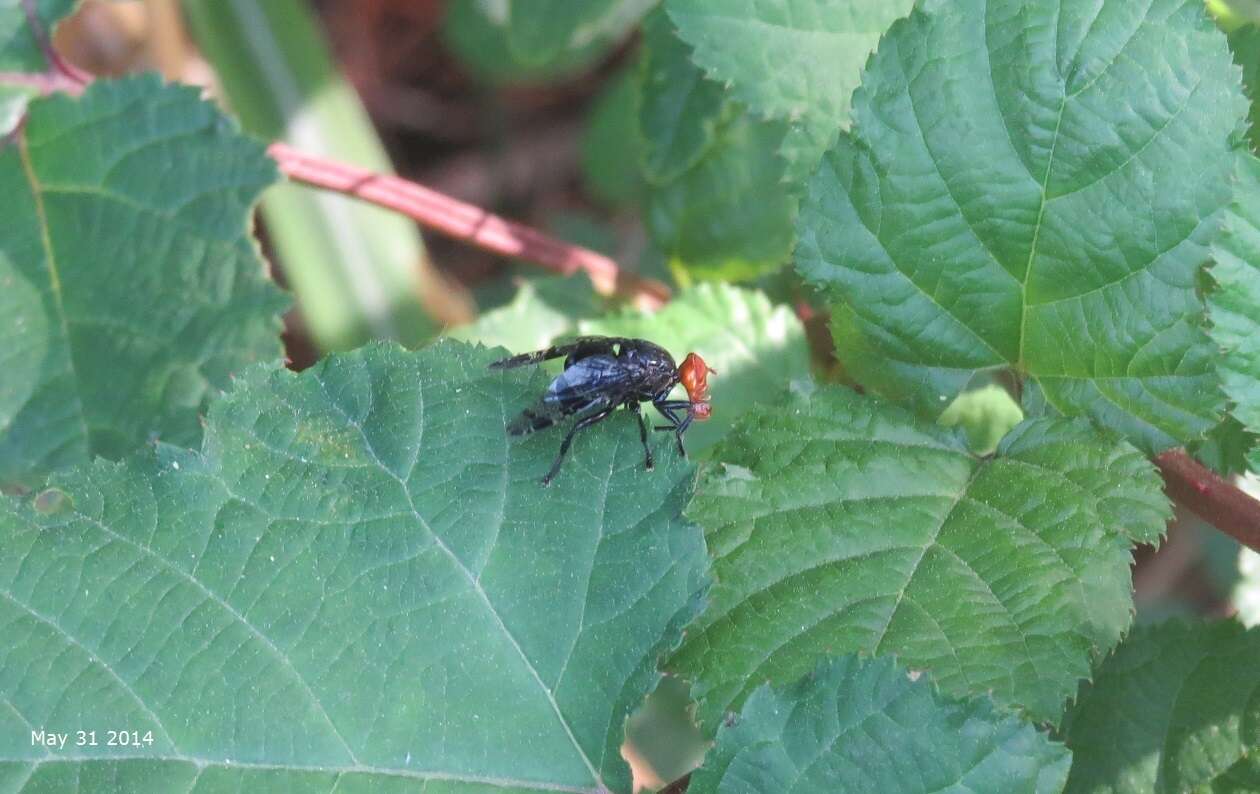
point(454, 218)
point(434, 210)
point(1211, 497)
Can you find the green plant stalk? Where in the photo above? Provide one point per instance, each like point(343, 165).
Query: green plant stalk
point(357, 271)
point(1233, 14)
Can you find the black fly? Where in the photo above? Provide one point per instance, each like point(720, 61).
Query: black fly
point(603, 373)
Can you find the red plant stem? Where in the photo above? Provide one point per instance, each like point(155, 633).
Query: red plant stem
point(43, 82)
point(1211, 497)
point(56, 64)
point(1208, 495)
point(466, 222)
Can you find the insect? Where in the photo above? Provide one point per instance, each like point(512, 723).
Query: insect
point(604, 373)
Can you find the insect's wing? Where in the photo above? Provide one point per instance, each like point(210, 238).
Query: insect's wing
point(537, 357)
point(593, 383)
point(596, 378)
point(580, 347)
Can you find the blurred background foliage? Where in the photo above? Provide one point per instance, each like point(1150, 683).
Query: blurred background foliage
point(598, 127)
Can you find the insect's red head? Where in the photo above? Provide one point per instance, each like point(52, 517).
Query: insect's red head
point(694, 375)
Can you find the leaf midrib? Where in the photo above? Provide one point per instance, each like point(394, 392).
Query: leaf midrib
point(1020, 365)
point(474, 581)
point(927, 546)
point(202, 764)
point(54, 279)
point(743, 23)
point(236, 614)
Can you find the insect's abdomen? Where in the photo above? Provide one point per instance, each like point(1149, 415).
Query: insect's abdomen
point(529, 421)
point(591, 383)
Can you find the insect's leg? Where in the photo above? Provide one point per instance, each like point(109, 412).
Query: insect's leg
point(647, 451)
point(568, 439)
point(678, 434)
point(667, 408)
point(679, 426)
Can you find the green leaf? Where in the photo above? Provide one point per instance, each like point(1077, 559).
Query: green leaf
point(755, 346)
point(358, 582)
point(730, 217)
point(679, 110)
point(611, 143)
point(516, 41)
point(796, 61)
point(542, 310)
point(986, 415)
point(20, 48)
point(476, 33)
point(719, 205)
point(1225, 447)
point(1244, 42)
point(131, 288)
point(22, 52)
point(1234, 306)
point(839, 523)
point(858, 725)
point(540, 30)
point(1173, 710)
point(1041, 201)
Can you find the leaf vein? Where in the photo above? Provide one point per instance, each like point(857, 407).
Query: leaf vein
point(93, 658)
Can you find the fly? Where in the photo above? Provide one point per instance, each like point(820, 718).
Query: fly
point(604, 373)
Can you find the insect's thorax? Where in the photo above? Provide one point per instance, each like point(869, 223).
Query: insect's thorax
point(653, 367)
